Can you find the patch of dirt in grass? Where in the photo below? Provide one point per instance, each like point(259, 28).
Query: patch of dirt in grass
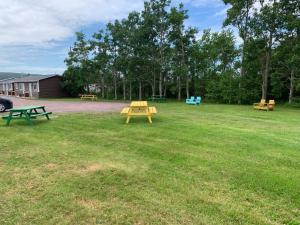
point(95, 167)
point(90, 204)
point(10, 193)
point(52, 166)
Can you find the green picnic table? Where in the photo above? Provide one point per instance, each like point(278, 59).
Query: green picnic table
point(27, 113)
point(158, 98)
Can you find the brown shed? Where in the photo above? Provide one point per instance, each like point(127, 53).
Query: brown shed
point(39, 86)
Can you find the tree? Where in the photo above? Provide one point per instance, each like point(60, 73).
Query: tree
point(220, 54)
point(181, 39)
point(100, 50)
point(156, 12)
point(239, 15)
point(80, 65)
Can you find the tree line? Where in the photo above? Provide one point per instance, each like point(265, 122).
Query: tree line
point(153, 52)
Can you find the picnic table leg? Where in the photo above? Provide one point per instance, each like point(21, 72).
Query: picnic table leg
point(9, 119)
point(128, 119)
point(47, 116)
point(28, 118)
point(150, 119)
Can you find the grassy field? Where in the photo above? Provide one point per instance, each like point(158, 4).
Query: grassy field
point(212, 164)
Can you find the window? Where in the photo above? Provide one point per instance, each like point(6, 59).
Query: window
point(20, 86)
point(34, 87)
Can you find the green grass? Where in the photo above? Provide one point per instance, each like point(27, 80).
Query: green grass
point(213, 164)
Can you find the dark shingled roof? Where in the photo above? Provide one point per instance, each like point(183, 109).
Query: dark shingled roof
point(34, 78)
point(6, 80)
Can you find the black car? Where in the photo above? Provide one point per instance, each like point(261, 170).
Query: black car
point(5, 104)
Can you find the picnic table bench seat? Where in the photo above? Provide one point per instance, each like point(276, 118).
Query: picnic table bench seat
point(41, 114)
point(125, 111)
point(152, 110)
point(91, 97)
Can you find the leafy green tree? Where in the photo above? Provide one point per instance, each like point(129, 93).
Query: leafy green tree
point(80, 65)
point(181, 38)
point(239, 15)
point(220, 54)
point(100, 51)
point(156, 12)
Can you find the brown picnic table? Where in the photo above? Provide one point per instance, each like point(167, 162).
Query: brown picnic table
point(27, 113)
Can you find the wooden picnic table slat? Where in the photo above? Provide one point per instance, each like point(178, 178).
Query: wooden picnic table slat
point(26, 108)
point(139, 104)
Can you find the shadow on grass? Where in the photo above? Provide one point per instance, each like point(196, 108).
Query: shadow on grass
point(21, 123)
point(140, 120)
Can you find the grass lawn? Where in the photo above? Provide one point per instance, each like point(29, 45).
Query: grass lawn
point(213, 164)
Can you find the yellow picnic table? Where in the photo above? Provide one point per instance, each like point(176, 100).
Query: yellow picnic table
point(139, 108)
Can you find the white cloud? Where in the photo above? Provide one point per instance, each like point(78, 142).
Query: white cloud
point(31, 29)
point(40, 21)
point(37, 22)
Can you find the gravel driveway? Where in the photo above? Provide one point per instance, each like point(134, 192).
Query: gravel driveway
point(70, 106)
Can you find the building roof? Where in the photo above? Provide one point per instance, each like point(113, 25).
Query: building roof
point(6, 80)
point(34, 78)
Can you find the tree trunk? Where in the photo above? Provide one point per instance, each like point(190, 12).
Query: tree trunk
point(130, 90)
point(165, 88)
point(124, 88)
point(115, 84)
point(187, 87)
point(140, 90)
point(154, 84)
point(102, 87)
point(245, 39)
point(242, 75)
point(115, 88)
point(265, 77)
point(240, 91)
point(291, 94)
point(160, 83)
point(161, 62)
point(179, 88)
point(267, 68)
point(153, 89)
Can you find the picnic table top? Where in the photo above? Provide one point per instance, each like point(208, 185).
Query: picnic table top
point(158, 96)
point(139, 104)
point(26, 108)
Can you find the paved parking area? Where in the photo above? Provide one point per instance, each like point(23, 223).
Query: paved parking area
point(57, 106)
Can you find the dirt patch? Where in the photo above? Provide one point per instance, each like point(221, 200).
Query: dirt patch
point(102, 166)
point(96, 167)
point(52, 166)
point(90, 204)
point(70, 106)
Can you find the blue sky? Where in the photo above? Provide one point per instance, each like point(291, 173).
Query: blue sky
point(35, 35)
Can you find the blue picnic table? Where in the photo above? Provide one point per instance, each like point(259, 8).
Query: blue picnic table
point(27, 113)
